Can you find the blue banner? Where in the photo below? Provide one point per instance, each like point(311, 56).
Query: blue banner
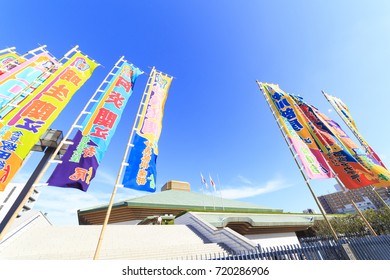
point(141, 173)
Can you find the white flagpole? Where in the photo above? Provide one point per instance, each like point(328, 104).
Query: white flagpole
point(201, 188)
point(34, 84)
point(8, 50)
point(33, 53)
point(347, 123)
point(213, 200)
point(24, 56)
point(204, 183)
point(220, 193)
point(213, 194)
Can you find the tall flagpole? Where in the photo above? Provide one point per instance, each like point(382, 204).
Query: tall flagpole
point(220, 193)
point(348, 124)
point(11, 49)
point(357, 136)
point(214, 200)
point(296, 161)
point(41, 48)
point(355, 206)
point(204, 205)
point(204, 183)
point(380, 198)
point(41, 172)
point(213, 185)
point(123, 164)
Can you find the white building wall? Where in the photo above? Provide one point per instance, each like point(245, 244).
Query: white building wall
point(9, 196)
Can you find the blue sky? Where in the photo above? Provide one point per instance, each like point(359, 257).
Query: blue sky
point(216, 120)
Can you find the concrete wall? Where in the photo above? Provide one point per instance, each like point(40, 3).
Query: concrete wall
point(235, 241)
point(274, 239)
point(133, 222)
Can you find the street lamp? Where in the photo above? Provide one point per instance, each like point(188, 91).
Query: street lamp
point(48, 144)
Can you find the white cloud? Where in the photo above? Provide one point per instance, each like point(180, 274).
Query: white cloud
point(253, 190)
point(330, 110)
point(244, 179)
point(105, 177)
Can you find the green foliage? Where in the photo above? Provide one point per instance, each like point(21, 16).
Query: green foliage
point(379, 220)
point(353, 224)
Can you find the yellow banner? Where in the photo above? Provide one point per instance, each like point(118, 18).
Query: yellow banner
point(19, 132)
point(294, 125)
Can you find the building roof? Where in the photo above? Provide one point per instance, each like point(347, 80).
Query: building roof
point(183, 199)
point(258, 223)
point(222, 219)
point(167, 202)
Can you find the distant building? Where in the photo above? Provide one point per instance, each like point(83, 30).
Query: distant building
point(364, 198)
point(262, 225)
point(175, 198)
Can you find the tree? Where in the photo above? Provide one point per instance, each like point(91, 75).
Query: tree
point(352, 224)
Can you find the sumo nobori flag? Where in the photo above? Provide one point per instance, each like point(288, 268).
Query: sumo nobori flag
point(292, 122)
point(9, 59)
point(22, 78)
point(346, 116)
point(140, 174)
point(20, 131)
point(82, 158)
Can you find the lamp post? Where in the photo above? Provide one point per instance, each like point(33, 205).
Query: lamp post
point(46, 144)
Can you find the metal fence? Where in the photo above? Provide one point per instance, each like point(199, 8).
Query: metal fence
point(360, 248)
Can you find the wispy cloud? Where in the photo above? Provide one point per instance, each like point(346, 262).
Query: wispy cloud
point(244, 179)
point(238, 192)
point(105, 177)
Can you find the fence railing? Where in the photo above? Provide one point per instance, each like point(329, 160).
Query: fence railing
point(360, 248)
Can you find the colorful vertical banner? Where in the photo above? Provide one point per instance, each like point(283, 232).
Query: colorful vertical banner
point(292, 122)
point(344, 113)
point(19, 132)
point(16, 84)
point(352, 166)
point(8, 61)
point(141, 173)
point(81, 160)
